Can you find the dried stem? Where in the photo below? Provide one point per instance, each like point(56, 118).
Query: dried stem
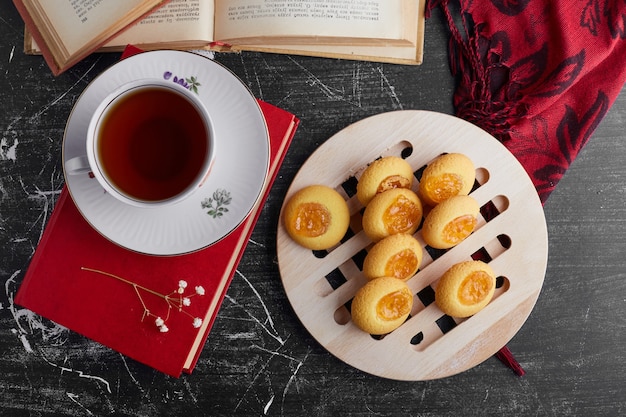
point(174, 299)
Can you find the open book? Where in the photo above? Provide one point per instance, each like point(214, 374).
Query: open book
point(69, 30)
point(373, 30)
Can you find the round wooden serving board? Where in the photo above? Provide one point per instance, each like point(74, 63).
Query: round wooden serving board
point(511, 236)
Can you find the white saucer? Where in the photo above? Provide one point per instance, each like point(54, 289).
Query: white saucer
point(227, 196)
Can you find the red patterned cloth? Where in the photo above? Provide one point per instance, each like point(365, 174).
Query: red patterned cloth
point(539, 75)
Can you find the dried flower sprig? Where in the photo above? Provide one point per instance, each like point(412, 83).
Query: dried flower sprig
point(176, 300)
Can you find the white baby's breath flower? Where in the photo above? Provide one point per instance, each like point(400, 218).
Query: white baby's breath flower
point(174, 299)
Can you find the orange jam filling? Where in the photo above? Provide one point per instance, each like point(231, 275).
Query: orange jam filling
point(401, 215)
point(459, 228)
point(475, 287)
point(393, 181)
point(443, 187)
point(402, 264)
point(312, 219)
point(394, 305)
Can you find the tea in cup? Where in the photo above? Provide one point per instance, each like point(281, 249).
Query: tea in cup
point(149, 144)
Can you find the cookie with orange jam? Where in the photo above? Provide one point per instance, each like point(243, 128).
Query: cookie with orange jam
point(450, 222)
point(446, 176)
point(381, 305)
point(316, 217)
point(381, 175)
point(465, 288)
point(398, 256)
point(398, 210)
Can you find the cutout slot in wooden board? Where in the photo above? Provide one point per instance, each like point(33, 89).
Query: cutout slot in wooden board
point(511, 236)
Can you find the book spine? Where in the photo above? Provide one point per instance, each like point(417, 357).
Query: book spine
point(33, 31)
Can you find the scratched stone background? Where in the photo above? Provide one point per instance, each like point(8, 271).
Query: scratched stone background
point(259, 360)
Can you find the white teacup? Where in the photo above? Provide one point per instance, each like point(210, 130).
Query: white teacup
point(149, 144)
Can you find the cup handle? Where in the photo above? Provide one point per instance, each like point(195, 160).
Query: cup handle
point(77, 165)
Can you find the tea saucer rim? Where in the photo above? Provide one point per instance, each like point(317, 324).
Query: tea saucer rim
point(132, 240)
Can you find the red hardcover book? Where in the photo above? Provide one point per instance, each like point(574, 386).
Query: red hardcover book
point(118, 307)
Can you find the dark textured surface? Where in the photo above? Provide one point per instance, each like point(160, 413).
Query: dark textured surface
point(258, 359)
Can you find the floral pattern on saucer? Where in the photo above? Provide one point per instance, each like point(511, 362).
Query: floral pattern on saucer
point(221, 198)
point(190, 83)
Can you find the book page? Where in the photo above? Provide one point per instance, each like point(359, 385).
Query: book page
point(365, 19)
point(177, 21)
point(78, 21)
